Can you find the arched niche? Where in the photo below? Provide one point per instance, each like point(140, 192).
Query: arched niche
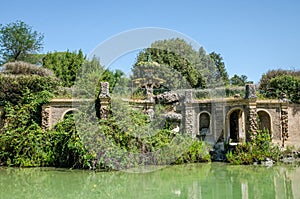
point(235, 125)
point(68, 112)
point(264, 121)
point(204, 123)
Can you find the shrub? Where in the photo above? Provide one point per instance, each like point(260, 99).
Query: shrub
point(275, 82)
point(256, 150)
point(22, 141)
point(23, 68)
point(13, 87)
point(286, 84)
point(198, 151)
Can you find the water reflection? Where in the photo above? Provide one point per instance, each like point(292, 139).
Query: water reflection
point(214, 180)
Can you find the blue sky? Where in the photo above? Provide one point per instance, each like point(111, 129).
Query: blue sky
point(252, 36)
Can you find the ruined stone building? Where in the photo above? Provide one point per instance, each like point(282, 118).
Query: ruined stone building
point(228, 120)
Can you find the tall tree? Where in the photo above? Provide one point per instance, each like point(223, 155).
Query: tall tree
point(222, 73)
point(65, 65)
point(18, 40)
point(196, 67)
point(238, 80)
point(285, 84)
point(264, 83)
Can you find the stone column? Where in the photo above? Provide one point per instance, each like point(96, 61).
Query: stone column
point(104, 99)
point(46, 120)
point(284, 122)
point(251, 115)
point(189, 114)
point(250, 91)
point(251, 120)
point(218, 121)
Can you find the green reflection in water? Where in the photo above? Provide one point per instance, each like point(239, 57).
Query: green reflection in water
point(215, 180)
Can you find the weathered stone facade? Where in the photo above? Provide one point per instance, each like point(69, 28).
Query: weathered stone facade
point(214, 120)
point(104, 99)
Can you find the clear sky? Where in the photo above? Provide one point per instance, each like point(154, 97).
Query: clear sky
point(252, 36)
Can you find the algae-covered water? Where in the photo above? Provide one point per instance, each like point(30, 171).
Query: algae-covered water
point(213, 180)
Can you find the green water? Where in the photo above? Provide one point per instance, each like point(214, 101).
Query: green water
point(205, 181)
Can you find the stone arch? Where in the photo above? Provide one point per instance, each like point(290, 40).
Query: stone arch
point(265, 120)
point(204, 123)
point(67, 112)
point(235, 125)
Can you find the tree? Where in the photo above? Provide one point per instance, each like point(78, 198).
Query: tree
point(264, 83)
point(92, 72)
point(65, 65)
point(195, 66)
point(285, 84)
point(18, 40)
point(218, 60)
point(238, 80)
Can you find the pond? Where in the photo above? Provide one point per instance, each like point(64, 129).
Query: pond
point(210, 180)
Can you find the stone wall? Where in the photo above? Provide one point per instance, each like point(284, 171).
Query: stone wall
point(272, 107)
point(294, 125)
point(55, 111)
point(284, 118)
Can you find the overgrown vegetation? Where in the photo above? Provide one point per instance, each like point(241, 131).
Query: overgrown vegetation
point(276, 83)
point(24, 143)
point(256, 150)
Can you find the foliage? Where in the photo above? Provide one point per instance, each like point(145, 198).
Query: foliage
point(22, 141)
point(65, 65)
point(222, 74)
point(18, 40)
point(256, 150)
point(238, 80)
point(116, 79)
point(12, 87)
point(198, 151)
point(228, 91)
point(286, 84)
point(36, 59)
point(23, 68)
point(196, 67)
point(277, 82)
point(264, 83)
point(91, 73)
point(67, 148)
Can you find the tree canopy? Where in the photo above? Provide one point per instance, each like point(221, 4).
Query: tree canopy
point(218, 60)
point(18, 40)
point(65, 65)
point(275, 83)
point(196, 67)
point(264, 83)
point(237, 80)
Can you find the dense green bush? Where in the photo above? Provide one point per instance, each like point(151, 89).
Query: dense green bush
point(65, 65)
point(198, 151)
point(276, 82)
point(22, 141)
point(67, 149)
point(13, 87)
point(264, 83)
point(256, 150)
point(23, 68)
point(286, 84)
point(120, 144)
point(117, 142)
